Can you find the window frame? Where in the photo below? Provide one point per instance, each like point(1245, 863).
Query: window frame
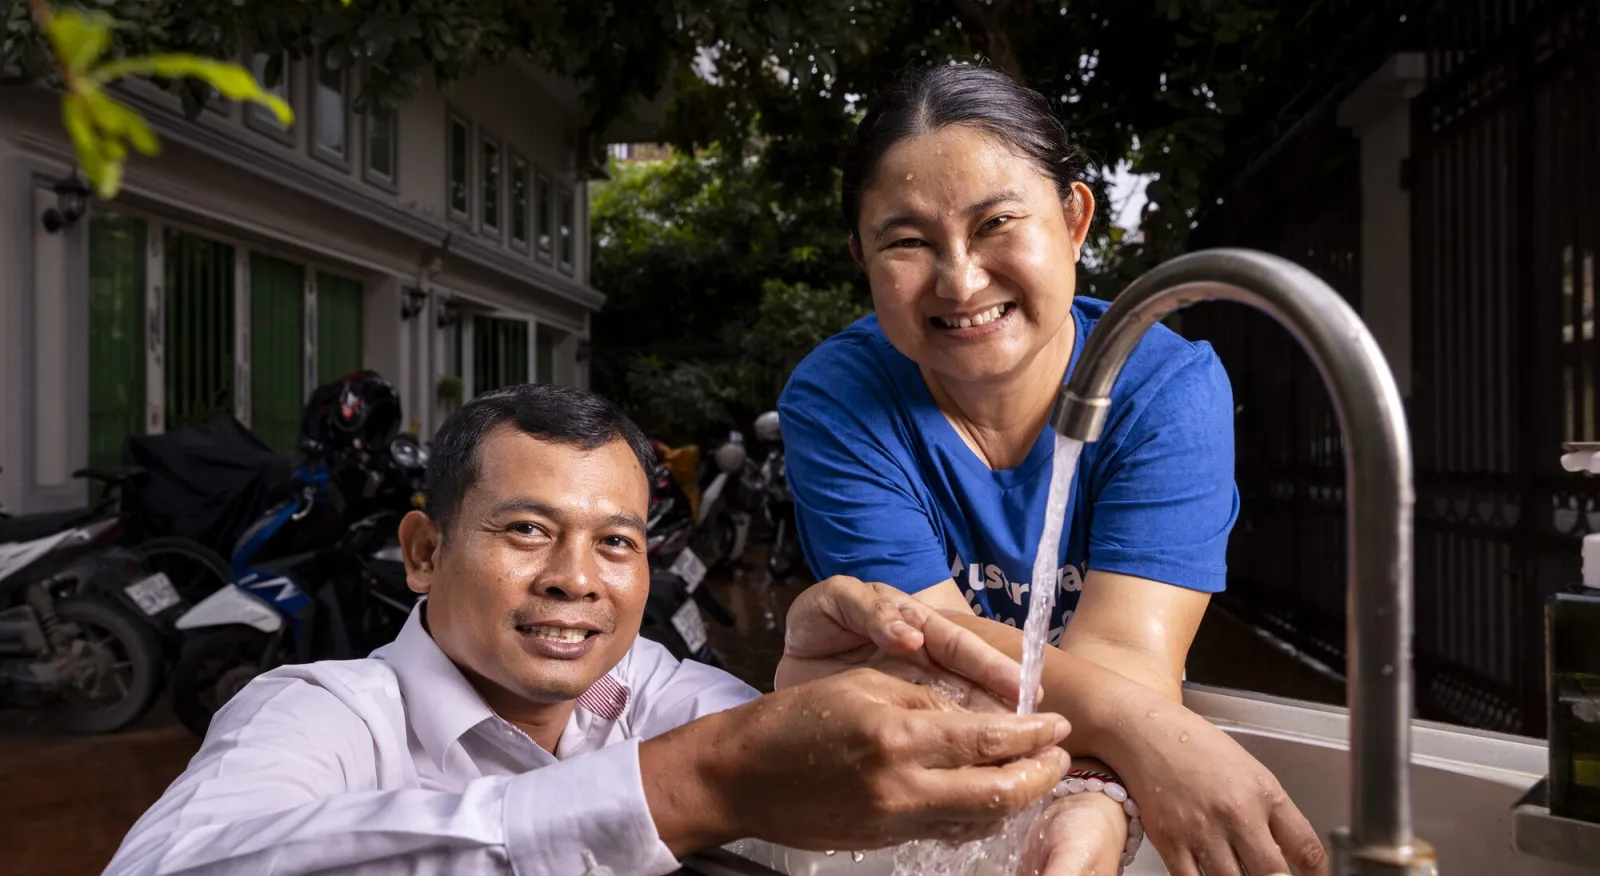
point(544, 215)
point(484, 141)
point(260, 119)
point(389, 182)
point(515, 161)
point(567, 201)
point(464, 215)
point(324, 154)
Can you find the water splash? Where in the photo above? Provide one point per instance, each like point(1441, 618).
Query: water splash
point(1001, 855)
point(1043, 587)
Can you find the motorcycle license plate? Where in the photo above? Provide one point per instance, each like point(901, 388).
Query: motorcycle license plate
point(689, 567)
point(154, 594)
point(687, 621)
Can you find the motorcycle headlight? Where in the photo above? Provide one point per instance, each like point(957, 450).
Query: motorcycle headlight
point(407, 454)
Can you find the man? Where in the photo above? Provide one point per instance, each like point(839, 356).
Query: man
point(518, 724)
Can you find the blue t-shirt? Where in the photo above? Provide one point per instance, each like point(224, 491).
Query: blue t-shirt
point(886, 490)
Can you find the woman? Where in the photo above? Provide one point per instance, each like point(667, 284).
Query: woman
point(919, 454)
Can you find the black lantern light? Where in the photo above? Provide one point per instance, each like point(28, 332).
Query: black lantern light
point(72, 200)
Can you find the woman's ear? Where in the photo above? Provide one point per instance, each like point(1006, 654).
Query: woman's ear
point(1079, 209)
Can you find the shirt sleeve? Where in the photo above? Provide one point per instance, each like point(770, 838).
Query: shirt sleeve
point(1166, 500)
point(668, 693)
point(286, 784)
point(857, 509)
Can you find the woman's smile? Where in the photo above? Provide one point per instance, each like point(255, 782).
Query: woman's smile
point(971, 325)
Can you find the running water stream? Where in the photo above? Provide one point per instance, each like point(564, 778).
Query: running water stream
point(1002, 854)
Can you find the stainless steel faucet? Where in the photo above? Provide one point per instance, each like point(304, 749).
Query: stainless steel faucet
point(1378, 483)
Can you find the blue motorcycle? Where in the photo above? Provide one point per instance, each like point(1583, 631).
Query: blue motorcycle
point(283, 605)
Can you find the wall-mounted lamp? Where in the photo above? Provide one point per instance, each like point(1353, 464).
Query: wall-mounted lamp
point(72, 200)
point(449, 314)
point(414, 301)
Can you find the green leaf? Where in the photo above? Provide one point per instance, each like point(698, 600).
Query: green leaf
point(100, 158)
point(79, 39)
point(230, 80)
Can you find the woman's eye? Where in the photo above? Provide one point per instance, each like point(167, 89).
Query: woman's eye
point(906, 243)
point(994, 223)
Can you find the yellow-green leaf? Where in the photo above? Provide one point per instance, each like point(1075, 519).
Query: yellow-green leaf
point(230, 80)
point(115, 118)
point(78, 38)
point(103, 171)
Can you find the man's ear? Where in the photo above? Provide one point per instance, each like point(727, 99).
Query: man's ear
point(420, 544)
point(855, 250)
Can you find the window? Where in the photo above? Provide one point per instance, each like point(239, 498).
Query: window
point(543, 205)
point(491, 186)
point(460, 197)
point(519, 202)
point(383, 135)
point(567, 231)
point(331, 112)
point(273, 72)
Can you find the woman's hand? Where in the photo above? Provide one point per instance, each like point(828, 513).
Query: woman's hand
point(1077, 835)
point(1210, 807)
point(843, 623)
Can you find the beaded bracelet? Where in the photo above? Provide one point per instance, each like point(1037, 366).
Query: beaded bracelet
point(1079, 781)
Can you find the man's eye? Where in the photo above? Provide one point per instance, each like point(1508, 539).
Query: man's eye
point(994, 223)
point(907, 243)
point(525, 528)
point(618, 541)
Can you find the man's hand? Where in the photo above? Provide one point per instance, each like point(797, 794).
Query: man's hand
point(859, 760)
point(842, 623)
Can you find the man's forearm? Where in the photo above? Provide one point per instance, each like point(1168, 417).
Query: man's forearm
point(684, 771)
point(1097, 700)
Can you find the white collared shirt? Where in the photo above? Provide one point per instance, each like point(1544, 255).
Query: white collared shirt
point(394, 764)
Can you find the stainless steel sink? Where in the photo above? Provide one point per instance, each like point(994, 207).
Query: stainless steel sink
point(1466, 783)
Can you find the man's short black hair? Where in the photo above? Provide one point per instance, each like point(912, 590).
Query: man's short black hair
point(547, 411)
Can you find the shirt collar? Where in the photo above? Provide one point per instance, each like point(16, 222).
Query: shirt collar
point(453, 706)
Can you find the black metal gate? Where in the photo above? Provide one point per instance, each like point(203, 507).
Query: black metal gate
point(1503, 241)
point(1286, 557)
point(1505, 180)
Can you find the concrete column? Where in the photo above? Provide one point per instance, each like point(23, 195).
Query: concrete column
point(1378, 112)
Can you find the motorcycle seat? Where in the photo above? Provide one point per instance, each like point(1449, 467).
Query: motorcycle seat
point(28, 527)
point(118, 476)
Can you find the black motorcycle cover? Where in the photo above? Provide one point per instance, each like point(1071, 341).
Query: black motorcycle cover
point(207, 482)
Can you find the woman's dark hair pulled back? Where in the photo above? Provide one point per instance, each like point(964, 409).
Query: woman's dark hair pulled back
point(980, 97)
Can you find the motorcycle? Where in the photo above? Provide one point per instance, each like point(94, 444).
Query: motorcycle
point(696, 506)
point(675, 611)
point(777, 502)
point(338, 602)
point(76, 643)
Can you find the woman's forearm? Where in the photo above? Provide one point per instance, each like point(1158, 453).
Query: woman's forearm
point(1105, 707)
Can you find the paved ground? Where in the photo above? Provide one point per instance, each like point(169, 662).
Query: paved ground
point(68, 801)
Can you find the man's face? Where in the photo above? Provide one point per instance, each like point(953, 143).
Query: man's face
point(540, 587)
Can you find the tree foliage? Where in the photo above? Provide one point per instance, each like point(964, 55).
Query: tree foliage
point(717, 286)
point(1157, 83)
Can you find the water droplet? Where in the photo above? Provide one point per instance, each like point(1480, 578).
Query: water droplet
point(858, 857)
point(830, 852)
point(1152, 714)
point(1388, 670)
point(826, 713)
point(1183, 737)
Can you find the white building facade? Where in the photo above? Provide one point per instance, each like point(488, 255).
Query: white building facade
point(445, 245)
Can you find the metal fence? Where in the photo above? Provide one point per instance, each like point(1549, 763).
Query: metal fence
point(1504, 179)
point(1286, 556)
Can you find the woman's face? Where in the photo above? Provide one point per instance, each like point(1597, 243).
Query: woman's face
point(970, 252)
